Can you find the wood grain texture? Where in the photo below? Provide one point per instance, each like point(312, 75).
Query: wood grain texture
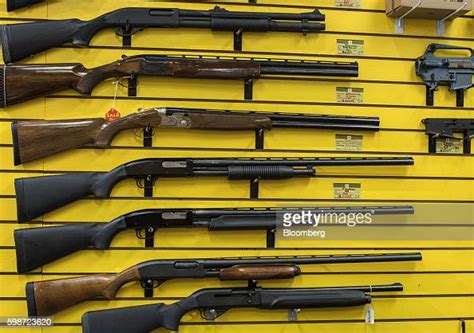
point(55, 295)
point(37, 139)
point(243, 272)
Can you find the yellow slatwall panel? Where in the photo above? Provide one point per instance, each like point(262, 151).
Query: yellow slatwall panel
point(438, 290)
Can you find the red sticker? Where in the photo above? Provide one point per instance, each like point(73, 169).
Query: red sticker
point(112, 115)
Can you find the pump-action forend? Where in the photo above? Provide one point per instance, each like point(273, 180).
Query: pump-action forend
point(26, 39)
point(446, 128)
point(39, 138)
point(36, 247)
point(46, 298)
point(213, 303)
point(25, 82)
point(36, 196)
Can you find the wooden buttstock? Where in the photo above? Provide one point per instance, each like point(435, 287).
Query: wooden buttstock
point(48, 297)
point(242, 272)
point(26, 82)
point(37, 139)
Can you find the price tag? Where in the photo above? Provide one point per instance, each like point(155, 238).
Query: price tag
point(350, 47)
point(450, 145)
point(349, 95)
point(347, 191)
point(349, 142)
point(348, 3)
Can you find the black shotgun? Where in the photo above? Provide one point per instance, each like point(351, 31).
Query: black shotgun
point(36, 196)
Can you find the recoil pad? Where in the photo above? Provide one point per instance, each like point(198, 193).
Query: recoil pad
point(261, 172)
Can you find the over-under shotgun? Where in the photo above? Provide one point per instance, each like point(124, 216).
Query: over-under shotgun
point(48, 297)
point(40, 138)
point(25, 82)
point(36, 196)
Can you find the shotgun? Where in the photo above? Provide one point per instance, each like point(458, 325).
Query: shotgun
point(21, 83)
point(213, 303)
point(40, 138)
point(26, 39)
point(36, 247)
point(36, 196)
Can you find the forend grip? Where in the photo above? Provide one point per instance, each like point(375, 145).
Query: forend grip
point(26, 39)
point(273, 299)
point(36, 196)
point(247, 272)
point(242, 222)
point(136, 319)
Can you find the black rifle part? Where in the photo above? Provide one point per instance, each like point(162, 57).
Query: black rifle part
point(446, 128)
point(25, 39)
point(454, 72)
point(36, 247)
point(213, 303)
point(36, 196)
point(17, 4)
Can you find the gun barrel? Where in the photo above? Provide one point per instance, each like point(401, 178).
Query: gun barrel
point(205, 214)
point(310, 68)
point(307, 162)
point(186, 14)
point(308, 260)
point(369, 288)
point(296, 120)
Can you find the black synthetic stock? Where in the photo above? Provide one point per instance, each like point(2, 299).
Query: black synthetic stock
point(26, 39)
point(36, 196)
point(36, 247)
point(135, 319)
point(17, 4)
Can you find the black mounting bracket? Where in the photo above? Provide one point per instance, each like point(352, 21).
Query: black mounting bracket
point(254, 188)
point(150, 237)
point(148, 186)
point(270, 238)
point(259, 138)
point(132, 85)
point(248, 89)
point(238, 40)
point(252, 283)
point(148, 288)
point(148, 137)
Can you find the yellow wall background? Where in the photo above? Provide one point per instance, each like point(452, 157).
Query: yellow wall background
point(438, 291)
